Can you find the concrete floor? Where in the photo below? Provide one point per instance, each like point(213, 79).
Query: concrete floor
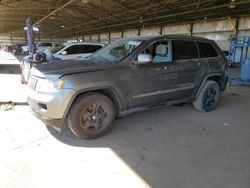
point(173, 146)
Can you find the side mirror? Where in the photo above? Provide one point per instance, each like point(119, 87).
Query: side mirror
point(64, 52)
point(143, 59)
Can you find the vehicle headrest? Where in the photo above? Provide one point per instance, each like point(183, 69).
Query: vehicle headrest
point(161, 49)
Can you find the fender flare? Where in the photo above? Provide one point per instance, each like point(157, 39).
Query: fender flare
point(204, 80)
point(118, 97)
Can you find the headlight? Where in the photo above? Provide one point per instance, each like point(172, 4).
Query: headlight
point(46, 85)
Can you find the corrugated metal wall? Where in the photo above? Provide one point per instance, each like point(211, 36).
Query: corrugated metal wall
point(219, 31)
point(150, 31)
point(131, 33)
point(177, 30)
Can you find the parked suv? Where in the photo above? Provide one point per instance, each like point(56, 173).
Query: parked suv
point(73, 50)
point(126, 76)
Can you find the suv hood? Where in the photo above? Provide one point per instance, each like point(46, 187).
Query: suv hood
point(63, 67)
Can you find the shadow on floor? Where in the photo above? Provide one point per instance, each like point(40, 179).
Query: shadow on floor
point(9, 69)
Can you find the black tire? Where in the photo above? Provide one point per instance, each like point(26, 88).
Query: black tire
point(91, 116)
point(208, 98)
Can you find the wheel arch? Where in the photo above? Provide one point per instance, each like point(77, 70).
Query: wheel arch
point(217, 77)
point(109, 92)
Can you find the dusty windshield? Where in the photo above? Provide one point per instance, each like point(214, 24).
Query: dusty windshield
point(117, 50)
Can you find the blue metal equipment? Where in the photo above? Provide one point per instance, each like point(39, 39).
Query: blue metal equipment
point(239, 54)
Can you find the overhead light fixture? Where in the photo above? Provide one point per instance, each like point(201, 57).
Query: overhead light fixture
point(232, 4)
point(62, 26)
point(34, 28)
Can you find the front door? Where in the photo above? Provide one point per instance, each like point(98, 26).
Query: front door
point(154, 82)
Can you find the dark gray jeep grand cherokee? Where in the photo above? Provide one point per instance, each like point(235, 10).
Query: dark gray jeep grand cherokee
point(128, 75)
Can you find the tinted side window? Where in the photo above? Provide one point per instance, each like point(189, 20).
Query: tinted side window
point(183, 49)
point(88, 48)
point(98, 47)
point(45, 44)
point(207, 50)
point(73, 49)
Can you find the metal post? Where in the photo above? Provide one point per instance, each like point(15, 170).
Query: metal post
point(109, 37)
point(236, 26)
point(161, 30)
point(191, 29)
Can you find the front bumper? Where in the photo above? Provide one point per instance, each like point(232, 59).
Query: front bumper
point(50, 108)
point(59, 123)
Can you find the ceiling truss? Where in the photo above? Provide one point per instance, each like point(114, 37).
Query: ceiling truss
point(64, 18)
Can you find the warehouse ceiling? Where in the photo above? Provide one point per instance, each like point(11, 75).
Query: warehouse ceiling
point(64, 18)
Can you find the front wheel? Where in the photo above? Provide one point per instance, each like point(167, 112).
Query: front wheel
point(208, 98)
point(91, 116)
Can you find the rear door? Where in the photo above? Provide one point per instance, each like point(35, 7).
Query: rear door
point(209, 53)
point(188, 67)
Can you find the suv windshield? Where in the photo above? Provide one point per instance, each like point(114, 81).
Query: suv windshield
point(117, 50)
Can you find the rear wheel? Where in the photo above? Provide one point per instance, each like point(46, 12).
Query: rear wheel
point(91, 116)
point(208, 97)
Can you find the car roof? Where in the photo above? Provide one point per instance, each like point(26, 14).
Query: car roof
point(182, 37)
point(82, 43)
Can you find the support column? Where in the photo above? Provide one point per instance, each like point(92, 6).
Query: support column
point(235, 25)
point(191, 29)
point(109, 37)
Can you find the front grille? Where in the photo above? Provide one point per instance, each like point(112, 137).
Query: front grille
point(32, 83)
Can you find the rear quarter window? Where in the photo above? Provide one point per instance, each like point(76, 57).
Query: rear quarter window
point(44, 44)
point(184, 49)
point(207, 50)
point(75, 49)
